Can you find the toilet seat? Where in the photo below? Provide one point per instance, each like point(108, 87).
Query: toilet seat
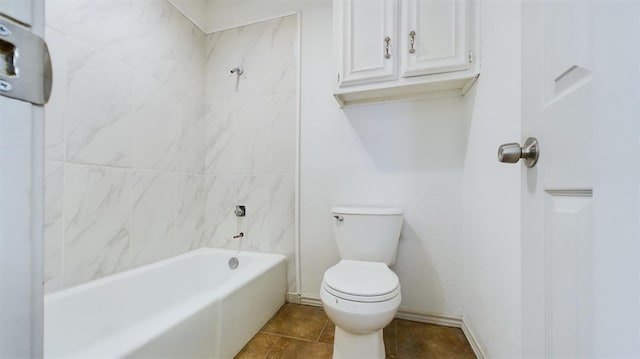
point(361, 299)
point(361, 281)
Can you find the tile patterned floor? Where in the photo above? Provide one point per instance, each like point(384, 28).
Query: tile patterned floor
point(300, 331)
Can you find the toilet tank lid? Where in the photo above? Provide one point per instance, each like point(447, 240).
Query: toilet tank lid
point(377, 211)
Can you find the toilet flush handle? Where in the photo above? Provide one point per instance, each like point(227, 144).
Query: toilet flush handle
point(339, 218)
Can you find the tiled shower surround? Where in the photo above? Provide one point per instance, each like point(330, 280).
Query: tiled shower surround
point(151, 142)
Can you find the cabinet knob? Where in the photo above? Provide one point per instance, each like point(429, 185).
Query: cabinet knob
point(387, 42)
point(412, 42)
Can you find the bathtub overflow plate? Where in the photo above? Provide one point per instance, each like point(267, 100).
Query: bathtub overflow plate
point(233, 263)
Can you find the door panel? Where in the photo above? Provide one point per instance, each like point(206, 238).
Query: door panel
point(564, 116)
point(568, 278)
point(557, 249)
point(568, 59)
point(434, 36)
point(368, 41)
point(580, 204)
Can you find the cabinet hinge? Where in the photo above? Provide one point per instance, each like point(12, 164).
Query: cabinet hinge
point(470, 57)
point(338, 77)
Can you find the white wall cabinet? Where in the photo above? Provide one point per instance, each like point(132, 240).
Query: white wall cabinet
point(434, 37)
point(402, 49)
point(368, 48)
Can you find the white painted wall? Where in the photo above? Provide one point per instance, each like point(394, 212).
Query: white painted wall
point(491, 190)
point(407, 155)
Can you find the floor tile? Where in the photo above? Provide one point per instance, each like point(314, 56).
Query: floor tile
point(297, 321)
point(258, 347)
point(299, 331)
point(289, 348)
point(327, 333)
point(419, 340)
point(389, 334)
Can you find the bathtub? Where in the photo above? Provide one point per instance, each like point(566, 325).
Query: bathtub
point(189, 306)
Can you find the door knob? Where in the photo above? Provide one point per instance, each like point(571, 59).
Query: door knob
point(512, 152)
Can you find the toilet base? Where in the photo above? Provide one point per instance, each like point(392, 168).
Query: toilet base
point(347, 345)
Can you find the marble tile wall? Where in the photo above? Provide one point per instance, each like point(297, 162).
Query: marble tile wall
point(125, 137)
point(151, 142)
point(251, 137)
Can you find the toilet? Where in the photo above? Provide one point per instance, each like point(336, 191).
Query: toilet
point(360, 294)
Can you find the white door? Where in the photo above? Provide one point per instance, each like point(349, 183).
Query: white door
point(21, 182)
point(435, 36)
point(580, 203)
point(366, 40)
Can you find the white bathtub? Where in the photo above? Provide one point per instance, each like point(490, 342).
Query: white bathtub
point(189, 306)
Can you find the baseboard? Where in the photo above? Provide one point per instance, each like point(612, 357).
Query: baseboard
point(429, 318)
point(473, 341)
point(312, 301)
point(408, 314)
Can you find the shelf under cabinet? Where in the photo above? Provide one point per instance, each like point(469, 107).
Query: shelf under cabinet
point(432, 86)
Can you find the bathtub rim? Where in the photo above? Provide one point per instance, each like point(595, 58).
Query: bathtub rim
point(115, 276)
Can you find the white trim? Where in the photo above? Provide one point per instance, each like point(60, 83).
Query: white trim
point(298, 156)
point(37, 205)
point(312, 301)
point(429, 318)
point(252, 22)
point(37, 213)
point(408, 314)
point(473, 341)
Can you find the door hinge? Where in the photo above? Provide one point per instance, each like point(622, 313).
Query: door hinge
point(338, 77)
point(470, 57)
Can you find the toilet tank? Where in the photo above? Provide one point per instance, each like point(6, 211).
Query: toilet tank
point(367, 233)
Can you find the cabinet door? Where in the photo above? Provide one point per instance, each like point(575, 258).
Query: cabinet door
point(367, 40)
point(435, 36)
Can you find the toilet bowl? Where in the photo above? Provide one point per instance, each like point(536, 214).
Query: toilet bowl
point(360, 294)
point(360, 298)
